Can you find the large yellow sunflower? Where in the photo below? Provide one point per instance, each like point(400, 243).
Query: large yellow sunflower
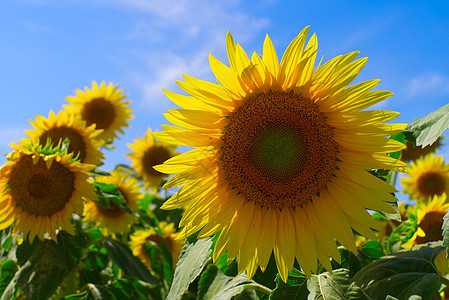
point(429, 176)
point(147, 152)
point(280, 158)
point(430, 221)
point(114, 220)
point(102, 106)
point(57, 128)
point(40, 188)
point(140, 238)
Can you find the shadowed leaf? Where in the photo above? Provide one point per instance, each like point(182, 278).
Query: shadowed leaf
point(402, 275)
point(295, 288)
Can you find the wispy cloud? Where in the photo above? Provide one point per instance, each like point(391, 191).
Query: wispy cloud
point(38, 27)
point(180, 35)
point(430, 84)
point(166, 70)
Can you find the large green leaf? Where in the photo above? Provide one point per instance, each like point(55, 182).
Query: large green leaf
point(354, 262)
point(428, 129)
point(194, 257)
point(43, 272)
point(216, 285)
point(402, 275)
point(445, 228)
point(122, 256)
point(337, 285)
point(8, 269)
point(294, 289)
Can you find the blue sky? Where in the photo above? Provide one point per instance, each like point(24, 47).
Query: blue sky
point(50, 48)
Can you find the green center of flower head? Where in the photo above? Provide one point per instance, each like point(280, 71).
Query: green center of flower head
point(278, 150)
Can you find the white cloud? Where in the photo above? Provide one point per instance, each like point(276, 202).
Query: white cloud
point(166, 69)
point(179, 36)
point(429, 84)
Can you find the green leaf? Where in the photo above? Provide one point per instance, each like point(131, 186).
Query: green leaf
point(109, 145)
point(125, 260)
point(194, 257)
point(396, 216)
point(128, 170)
point(266, 277)
point(129, 288)
point(337, 285)
point(216, 285)
point(8, 269)
point(295, 288)
point(10, 291)
point(428, 129)
point(400, 137)
point(99, 172)
point(354, 262)
point(379, 217)
point(401, 275)
point(72, 247)
point(25, 250)
point(43, 272)
point(445, 228)
point(109, 196)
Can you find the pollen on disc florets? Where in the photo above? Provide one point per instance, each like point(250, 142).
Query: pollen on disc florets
point(278, 150)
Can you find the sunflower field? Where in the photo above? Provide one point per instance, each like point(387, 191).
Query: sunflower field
point(276, 182)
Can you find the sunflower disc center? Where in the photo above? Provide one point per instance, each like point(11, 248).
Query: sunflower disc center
point(431, 183)
point(38, 190)
point(278, 150)
point(154, 156)
point(99, 112)
point(76, 141)
point(431, 224)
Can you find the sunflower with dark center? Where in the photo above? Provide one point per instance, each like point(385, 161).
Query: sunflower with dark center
point(430, 221)
point(103, 106)
point(147, 153)
point(429, 177)
point(40, 188)
point(141, 238)
point(281, 156)
point(113, 220)
point(57, 128)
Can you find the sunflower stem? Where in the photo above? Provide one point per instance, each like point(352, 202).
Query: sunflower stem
point(393, 178)
point(257, 287)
